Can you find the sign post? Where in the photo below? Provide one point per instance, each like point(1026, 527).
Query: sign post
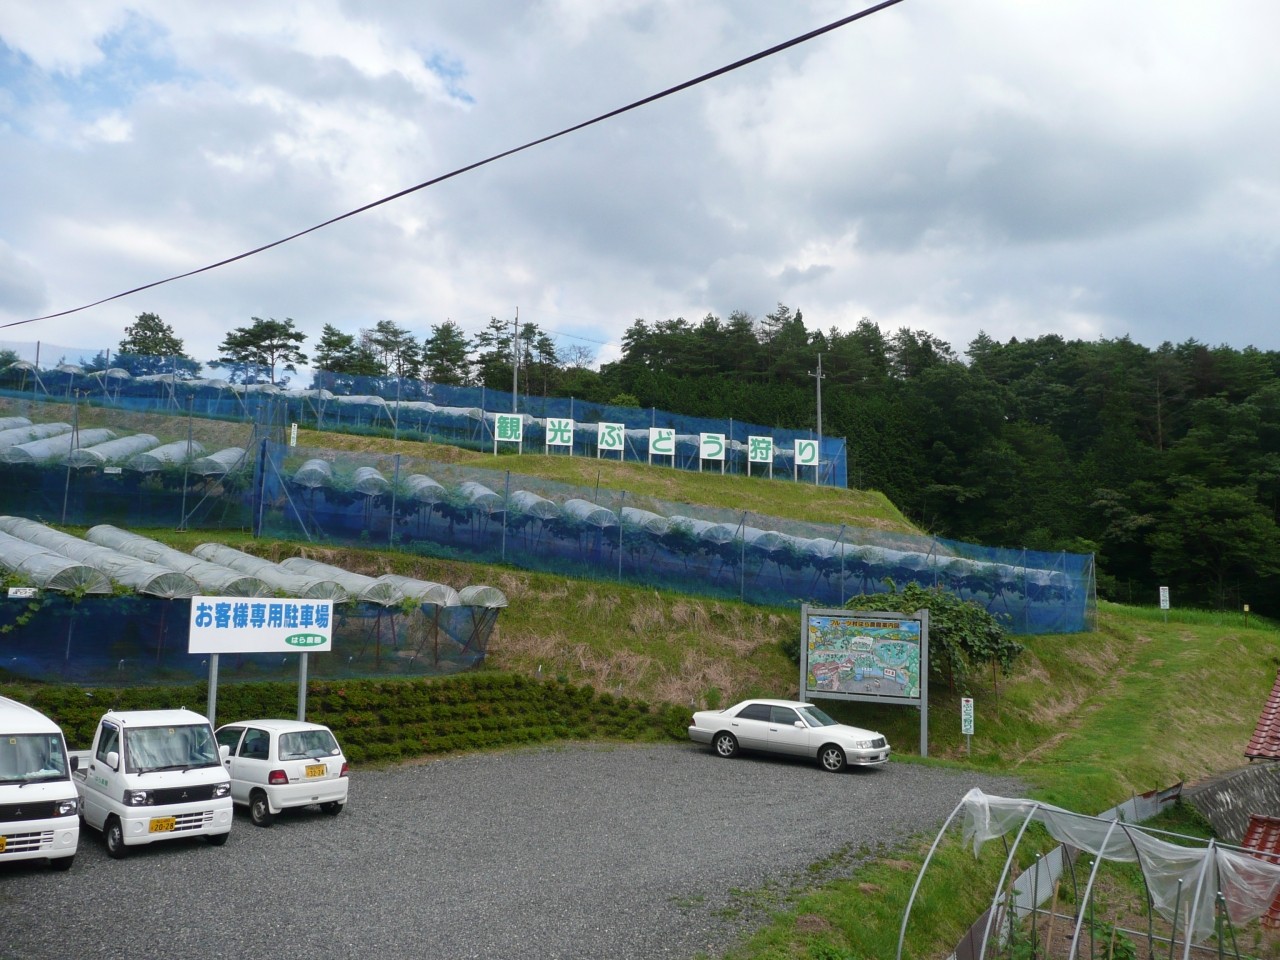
point(1164, 602)
point(966, 723)
point(259, 625)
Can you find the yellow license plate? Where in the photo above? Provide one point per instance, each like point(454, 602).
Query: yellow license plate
point(162, 824)
point(316, 770)
point(3, 841)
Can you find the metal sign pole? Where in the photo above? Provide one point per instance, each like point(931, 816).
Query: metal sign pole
point(212, 708)
point(302, 686)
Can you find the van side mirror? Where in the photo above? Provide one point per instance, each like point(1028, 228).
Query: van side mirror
point(75, 764)
point(113, 760)
point(224, 752)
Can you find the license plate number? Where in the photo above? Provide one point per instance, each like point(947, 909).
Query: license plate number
point(162, 824)
point(316, 770)
point(3, 841)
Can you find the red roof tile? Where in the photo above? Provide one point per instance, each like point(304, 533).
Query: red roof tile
point(1265, 744)
point(1263, 836)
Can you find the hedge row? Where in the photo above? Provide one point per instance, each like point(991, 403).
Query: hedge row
point(389, 720)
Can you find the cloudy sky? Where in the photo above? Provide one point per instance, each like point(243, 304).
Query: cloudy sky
point(1093, 169)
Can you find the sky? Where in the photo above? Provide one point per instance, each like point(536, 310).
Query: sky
point(1089, 169)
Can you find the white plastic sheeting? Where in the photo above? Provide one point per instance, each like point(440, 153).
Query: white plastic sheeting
point(11, 423)
point(423, 489)
point(646, 520)
point(1179, 877)
point(112, 451)
point(35, 431)
point(423, 591)
point(48, 570)
point(480, 496)
point(141, 576)
point(291, 584)
point(359, 586)
point(482, 595)
point(369, 482)
point(313, 474)
point(214, 579)
point(221, 463)
point(55, 447)
point(166, 455)
point(589, 513)
point(526, 503)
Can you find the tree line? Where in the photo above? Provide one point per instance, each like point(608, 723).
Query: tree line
point(1163, 462)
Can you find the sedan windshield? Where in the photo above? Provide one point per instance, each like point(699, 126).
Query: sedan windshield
point(170, 748)
point(815, 717)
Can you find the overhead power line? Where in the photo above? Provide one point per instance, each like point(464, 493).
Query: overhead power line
point(728, 68)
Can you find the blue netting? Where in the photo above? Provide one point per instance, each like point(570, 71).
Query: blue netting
point(128, 640)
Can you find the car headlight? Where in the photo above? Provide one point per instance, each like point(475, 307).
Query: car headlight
point(135, 798)
point(221, 790)
point(67, 807)
point(865, 744)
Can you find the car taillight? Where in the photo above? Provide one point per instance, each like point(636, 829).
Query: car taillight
point(346, 768)
point(276, 777)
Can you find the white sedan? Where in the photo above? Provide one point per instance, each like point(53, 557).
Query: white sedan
point(789, 727)
point(276, 764)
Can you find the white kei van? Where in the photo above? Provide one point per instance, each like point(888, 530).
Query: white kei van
point(38, 803)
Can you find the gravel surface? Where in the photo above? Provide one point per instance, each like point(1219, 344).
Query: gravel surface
point(584, 851)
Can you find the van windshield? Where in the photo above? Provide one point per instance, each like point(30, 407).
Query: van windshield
point(27, 757)
point(169, 748)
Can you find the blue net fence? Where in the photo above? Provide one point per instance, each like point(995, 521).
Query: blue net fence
point(212, 473)
point(134, 639)
point(421, 410)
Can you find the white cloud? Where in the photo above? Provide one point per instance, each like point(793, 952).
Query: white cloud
point(1086, 169)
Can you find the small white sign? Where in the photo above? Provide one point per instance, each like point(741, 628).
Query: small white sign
point(113, 470)
point(293, 434)
point(966, 716)
point(22, 593)
point(1164, 598)
point(806, 453)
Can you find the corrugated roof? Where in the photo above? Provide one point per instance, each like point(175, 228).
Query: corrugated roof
point(1263, 836)
point(1265, 744)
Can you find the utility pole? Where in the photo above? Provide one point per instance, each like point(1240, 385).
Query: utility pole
point(818, 377)
point(515, 359)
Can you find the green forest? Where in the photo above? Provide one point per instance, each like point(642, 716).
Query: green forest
point(1164, 462)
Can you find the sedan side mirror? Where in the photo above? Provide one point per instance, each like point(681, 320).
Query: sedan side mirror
point(224, 752)
point(799, 724)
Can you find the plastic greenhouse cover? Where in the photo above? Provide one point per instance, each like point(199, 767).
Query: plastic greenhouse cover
point(293, 584)
point(481, 595)
point(10, 423)
point(481, 496)
point(423, 489)
point(358, 585)
point(140, 576)
point(214, 578)
point(706, 529)
point(36, 431)
point(314, 473)
point(112, 451)
point(368, 481)
point(56, 447)
point(220, 463)
point(645, 519)
point(1183, 881)
point(169, 453)
point(589, 513)
point(49, 570)
point(361, 401)
point(529, 504)
point(244, 388)
point(424, 591)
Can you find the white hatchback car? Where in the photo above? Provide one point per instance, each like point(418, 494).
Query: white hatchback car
point(277, 764)
point(790, 727)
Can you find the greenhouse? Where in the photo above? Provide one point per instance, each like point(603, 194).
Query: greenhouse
point(287, 583)
point(167, 455)
point(53, 448)
point(141, 576)
point(213, 578)
point(49, 570)
point(111, 451)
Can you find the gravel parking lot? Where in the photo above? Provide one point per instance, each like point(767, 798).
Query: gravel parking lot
point(580, 851)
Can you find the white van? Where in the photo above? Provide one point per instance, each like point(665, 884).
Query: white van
point(154, 775)
point(38, 804)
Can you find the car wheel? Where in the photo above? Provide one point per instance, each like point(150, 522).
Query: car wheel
point(62, 863)
point(333, 808)
point(725, 744)
point(260, 810)
point(217, 839)
point(113, 835)
point(832, 758)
